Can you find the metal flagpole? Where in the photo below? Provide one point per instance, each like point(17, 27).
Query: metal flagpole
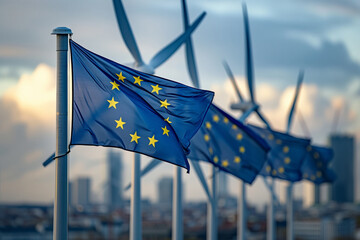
point(135, 204)
point(290, 212)
point(271, 234)
point(241, 235)
point(60, 231)
point(177, 229)
point(212, 208)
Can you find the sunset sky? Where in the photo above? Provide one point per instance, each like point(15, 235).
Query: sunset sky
point(320, 36)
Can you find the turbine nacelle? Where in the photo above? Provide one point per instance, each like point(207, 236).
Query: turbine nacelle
point(243, 106)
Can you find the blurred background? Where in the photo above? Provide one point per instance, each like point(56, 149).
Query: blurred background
point(318, 36)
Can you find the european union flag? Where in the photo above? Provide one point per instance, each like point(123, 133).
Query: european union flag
point(229, 145)
point(315, 167)
point(116, 106)
point(286, 155)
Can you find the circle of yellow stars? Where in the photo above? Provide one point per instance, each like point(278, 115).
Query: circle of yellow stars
point(120, 123)
point(216, 119)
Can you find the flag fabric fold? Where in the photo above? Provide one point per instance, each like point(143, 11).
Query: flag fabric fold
point(286, 156)
point(315, 167)
point(229, 145)
point(116, 106)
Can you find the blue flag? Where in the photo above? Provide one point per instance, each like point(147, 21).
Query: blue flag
point(315, 167)
point(286, 155)
point(229, 145)
point(116, 106)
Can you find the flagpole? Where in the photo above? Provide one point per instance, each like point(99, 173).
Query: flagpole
point(290, 212)
point(241, 235)
point(135, 204)
point(271, 232)
point(60, 230)
point(177, 231)
point(212, 208)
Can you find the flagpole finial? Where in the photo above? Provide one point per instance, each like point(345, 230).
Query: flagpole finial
point(62, 31)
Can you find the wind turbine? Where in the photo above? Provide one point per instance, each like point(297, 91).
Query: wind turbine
point(156, 61)
point(160, 57)
point(246, 106)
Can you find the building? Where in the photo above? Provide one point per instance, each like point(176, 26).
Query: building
point(114, 190)
point(343, 163)
point(223, 184)
point(165, 192)
point(80, 192)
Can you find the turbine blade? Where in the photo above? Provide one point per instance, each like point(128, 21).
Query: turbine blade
point(292, 109)
point(201, 177)
point(48, 160)
point(190, 57)
point(246, 114)
point(151, 165)
point(261, 116)
point(170, 49)
point(126, 31)
point(248, 57)
point(231, 76)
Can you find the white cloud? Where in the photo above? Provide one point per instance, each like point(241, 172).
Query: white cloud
point(33, 98)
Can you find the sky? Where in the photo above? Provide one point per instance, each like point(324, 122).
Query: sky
point(318, 36)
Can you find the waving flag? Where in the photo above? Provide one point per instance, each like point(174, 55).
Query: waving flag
point(286, 155)
point(315, 167)
point(229, 145)
point(116, 106)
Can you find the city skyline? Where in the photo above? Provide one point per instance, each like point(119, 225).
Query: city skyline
point(312, 35)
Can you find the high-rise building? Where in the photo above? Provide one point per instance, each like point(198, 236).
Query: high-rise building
point(80, 192)
point(114, 192)
point(165, 192)
point(343, 163)
point(223, 184)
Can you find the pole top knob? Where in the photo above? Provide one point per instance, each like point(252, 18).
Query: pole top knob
point(62, 31)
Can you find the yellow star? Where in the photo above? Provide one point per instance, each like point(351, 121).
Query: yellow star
point(286, 149)
point(167, 120)
point(308, 148)
point(115, 85)
point(287, 160)
point(278, 141)
point(120, 123)
point(152, 140)
point(156, 89)
point(164, 103)
point(216, 159)
point(274, 172)
point(112, 103)
point(165, 131)
point(208, 125)
point(134, 137)
point(216, 118)
point(318, 174)
point(120, 76)
point(239, 136)
point(137, 80)
point(313, 177)
point(242, 149)
point(268, 168)
point(281, 170)
point(211, 151)
point(234, 127)
point(225, 163)
point(271, 137)
point(316, 155)
point(237, 159)
point(207, 137)
point(226, 120)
